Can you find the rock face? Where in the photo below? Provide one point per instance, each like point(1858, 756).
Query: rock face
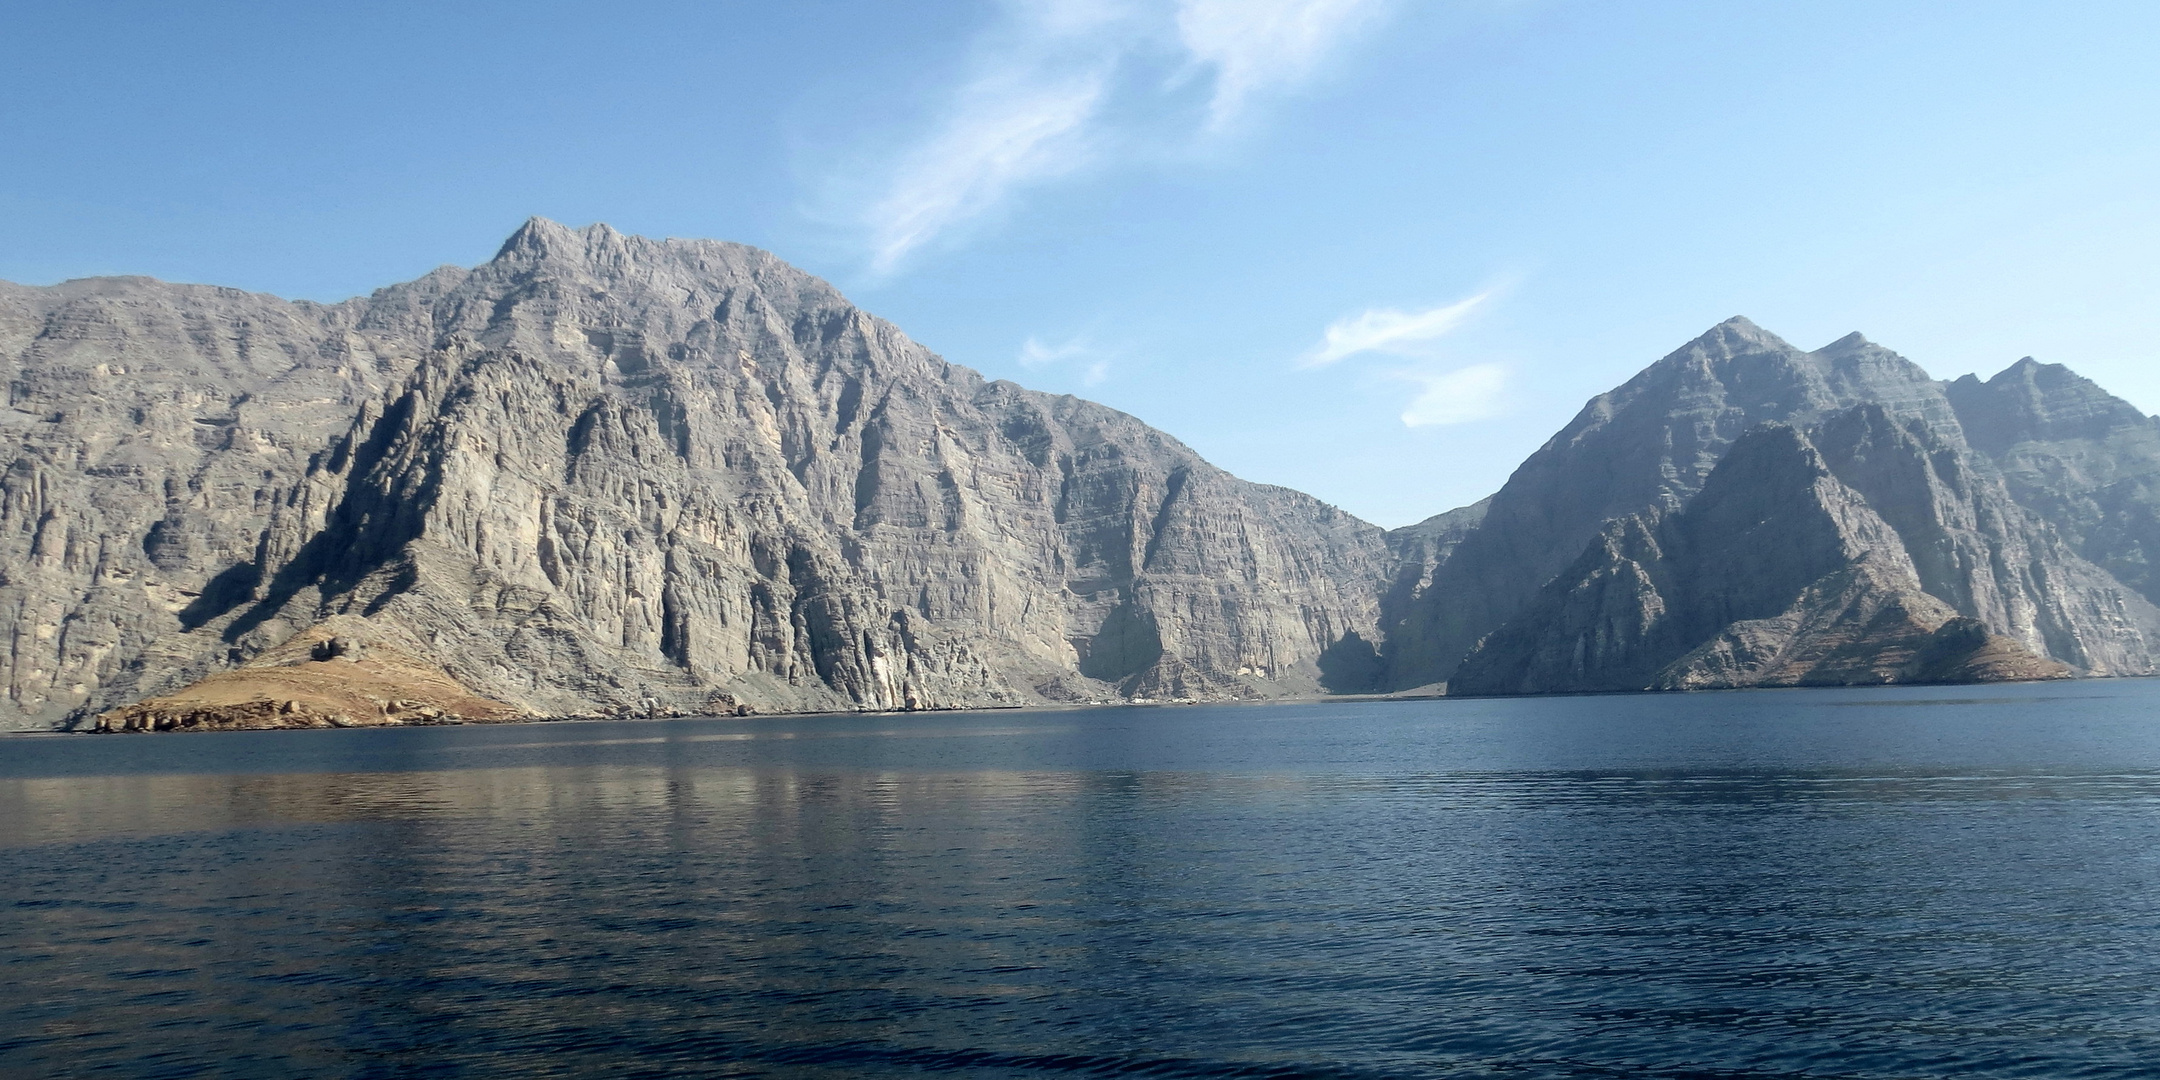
point(2086, 461)
point(1974, 534)
point(1777, 573)
point(604, 472)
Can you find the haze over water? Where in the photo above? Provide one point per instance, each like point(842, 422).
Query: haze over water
point(1853, 883)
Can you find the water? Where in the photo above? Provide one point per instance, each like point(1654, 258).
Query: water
point(1884, 883)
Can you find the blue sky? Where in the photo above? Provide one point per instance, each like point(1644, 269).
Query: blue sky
point(1377, 250)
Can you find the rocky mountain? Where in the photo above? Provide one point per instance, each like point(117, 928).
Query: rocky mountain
point(1777, 573)
point(1991, 540)
point(2086, 461)
point(606, 473)
point(602, 474)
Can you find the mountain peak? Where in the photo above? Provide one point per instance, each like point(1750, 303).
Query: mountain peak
point(1737, 336)
point(537, 236)
point(1849, 343)
point(2024, 369)
point(541, 237)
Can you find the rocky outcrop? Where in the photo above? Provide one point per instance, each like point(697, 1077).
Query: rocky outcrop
point(1892, 433)
point(608, 472)
point(1976, 549)
point(1777, 573)
point(345, 673)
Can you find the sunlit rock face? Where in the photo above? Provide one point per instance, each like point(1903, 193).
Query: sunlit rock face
point(603, 473)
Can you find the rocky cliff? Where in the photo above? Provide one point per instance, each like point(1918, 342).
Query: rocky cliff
point(2086, 461)
point(606, 473)
point(1972, 531)
point(1777, 573)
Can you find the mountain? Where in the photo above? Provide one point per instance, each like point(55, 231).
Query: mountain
point(1777, 573)
point(1977, 533)
point(2086, 461)
point(607, 475)
point(602, 473)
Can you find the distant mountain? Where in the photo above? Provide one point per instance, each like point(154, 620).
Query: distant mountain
point(608, 473)
point(602, 474)
point(2087, 462)
point(1777, 573)
point(1994, 527)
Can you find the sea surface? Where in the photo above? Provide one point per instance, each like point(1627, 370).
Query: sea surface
point(1908, 882)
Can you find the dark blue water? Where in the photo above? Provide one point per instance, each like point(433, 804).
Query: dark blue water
point(1887, 883)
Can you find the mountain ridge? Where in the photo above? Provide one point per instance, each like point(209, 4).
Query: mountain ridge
point(603, 473)
point(1652, 442)
point(606, 474)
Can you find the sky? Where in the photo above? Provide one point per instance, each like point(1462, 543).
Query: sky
point(1376, 250)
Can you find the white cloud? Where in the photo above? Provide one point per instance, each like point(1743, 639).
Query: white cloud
point(1005, 136)
point(1255, 45)
point(1037, 105)
point(1456, 397)
point(1389, 331)
point(1033, 353)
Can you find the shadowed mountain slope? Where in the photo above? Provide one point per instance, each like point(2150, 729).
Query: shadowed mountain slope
point(2086, 461)
point(1777, 573)
point(1649, 446)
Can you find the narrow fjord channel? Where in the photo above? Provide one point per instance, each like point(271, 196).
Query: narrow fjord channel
point(1821, 883)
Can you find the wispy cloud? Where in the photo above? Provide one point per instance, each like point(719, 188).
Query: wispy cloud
point(1256, 45)
point(1035, 353)
point(1386, 330)
point(1456, 397)
point(1454, 394)
point(1025, 116)
point(1037, 103)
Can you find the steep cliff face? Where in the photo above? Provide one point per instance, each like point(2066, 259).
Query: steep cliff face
point(1977, 550)
point(153, 433)
point(1777, 573)
point(1650, 445)
point(2086, 461)
point(1353, 665)
point(608, 472)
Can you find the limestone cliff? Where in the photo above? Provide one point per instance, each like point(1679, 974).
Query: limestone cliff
point(606, 472)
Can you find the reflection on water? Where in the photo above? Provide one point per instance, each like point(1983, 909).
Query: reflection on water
point(1718, 885)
